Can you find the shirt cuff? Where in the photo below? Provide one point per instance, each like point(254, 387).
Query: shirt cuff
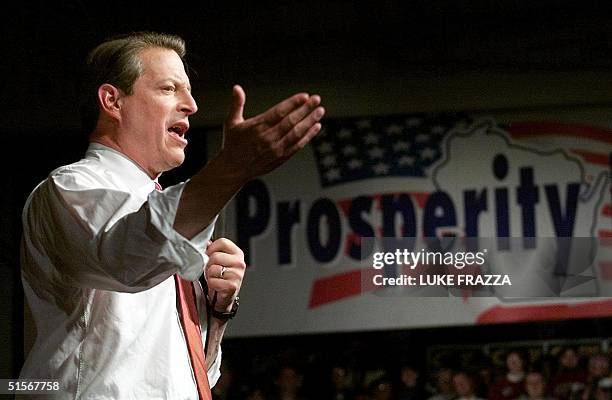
point(163, 207)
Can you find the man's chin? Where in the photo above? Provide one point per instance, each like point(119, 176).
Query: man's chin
point(176, 159)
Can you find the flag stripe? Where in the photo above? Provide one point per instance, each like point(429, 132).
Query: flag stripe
point(593, 158)
point(605, 270)
point(529, 129)
point(508, 314)
point(605, 241)
point(335, 287)
point(605, 233)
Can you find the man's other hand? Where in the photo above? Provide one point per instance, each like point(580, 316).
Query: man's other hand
point(224, 272)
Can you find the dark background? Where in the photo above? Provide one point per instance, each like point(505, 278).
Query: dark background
point(273, 45)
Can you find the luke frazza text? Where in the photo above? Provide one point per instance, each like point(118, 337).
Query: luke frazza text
point(412, 258)
point(444, 280)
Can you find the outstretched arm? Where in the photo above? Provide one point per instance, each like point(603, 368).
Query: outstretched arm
point(252, 147)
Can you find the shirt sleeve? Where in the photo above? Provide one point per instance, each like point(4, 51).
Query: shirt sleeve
point(104, 238)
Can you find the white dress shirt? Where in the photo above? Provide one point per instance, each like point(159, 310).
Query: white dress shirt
point(98, 258)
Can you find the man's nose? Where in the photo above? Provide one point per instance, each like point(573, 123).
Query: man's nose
point(188, 104)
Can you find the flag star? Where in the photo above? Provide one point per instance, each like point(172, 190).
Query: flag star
point(354, 163)
point(328, 161)
point(349, 150)
point(413, 122)
point(381, 168)
point(394, 129)
point(376, 152)
point(428, 153)
point(344, 133)
point(370, 138)
point(405, 161)
point(333, 174)
point(401, 145)
point(437, 129)
point(325, 147)
point(364, 124)
point(421, 138)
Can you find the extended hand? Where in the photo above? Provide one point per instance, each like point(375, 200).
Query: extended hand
point(224, 272)
point(258, 145)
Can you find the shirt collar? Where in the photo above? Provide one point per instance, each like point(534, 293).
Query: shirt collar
point(121, 165)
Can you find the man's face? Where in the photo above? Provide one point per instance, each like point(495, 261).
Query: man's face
point(154, 118)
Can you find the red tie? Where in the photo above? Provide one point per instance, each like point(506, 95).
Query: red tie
point(185, 302)
point(190, 321)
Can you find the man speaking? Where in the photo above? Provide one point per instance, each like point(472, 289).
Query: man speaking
point(111, 261)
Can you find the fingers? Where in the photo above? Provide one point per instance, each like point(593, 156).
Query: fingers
point(226, 261)
point(260, 144)
point(307, 112)
point(235, 115)
point(217, 271)
point(297, 133)
point(275, 114)
point(303, 141)
point(225, 288)
point(231, 261)
point(223, 245)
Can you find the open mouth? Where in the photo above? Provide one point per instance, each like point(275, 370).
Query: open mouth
point(177, 132)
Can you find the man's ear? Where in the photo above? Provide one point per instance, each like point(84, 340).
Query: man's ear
point(109, 98)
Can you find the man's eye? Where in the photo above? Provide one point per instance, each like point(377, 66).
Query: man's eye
point(169, 88)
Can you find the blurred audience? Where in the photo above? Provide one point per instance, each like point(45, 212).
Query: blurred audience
point(554, 376)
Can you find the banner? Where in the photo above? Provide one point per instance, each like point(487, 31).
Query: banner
point(526, 201)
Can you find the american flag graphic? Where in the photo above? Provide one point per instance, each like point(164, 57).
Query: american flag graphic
point(355, 149)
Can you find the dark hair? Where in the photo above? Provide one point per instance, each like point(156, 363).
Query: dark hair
point(116, 61)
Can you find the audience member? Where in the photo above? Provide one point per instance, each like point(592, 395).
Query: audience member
point(408, 387)
point(598, 368)
point(381, 389)
point(444, 385)
point(339, 387)
point(511, 385)
point(464, 386)
point(535, 387)
point(287, 383)
point(569, 375)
